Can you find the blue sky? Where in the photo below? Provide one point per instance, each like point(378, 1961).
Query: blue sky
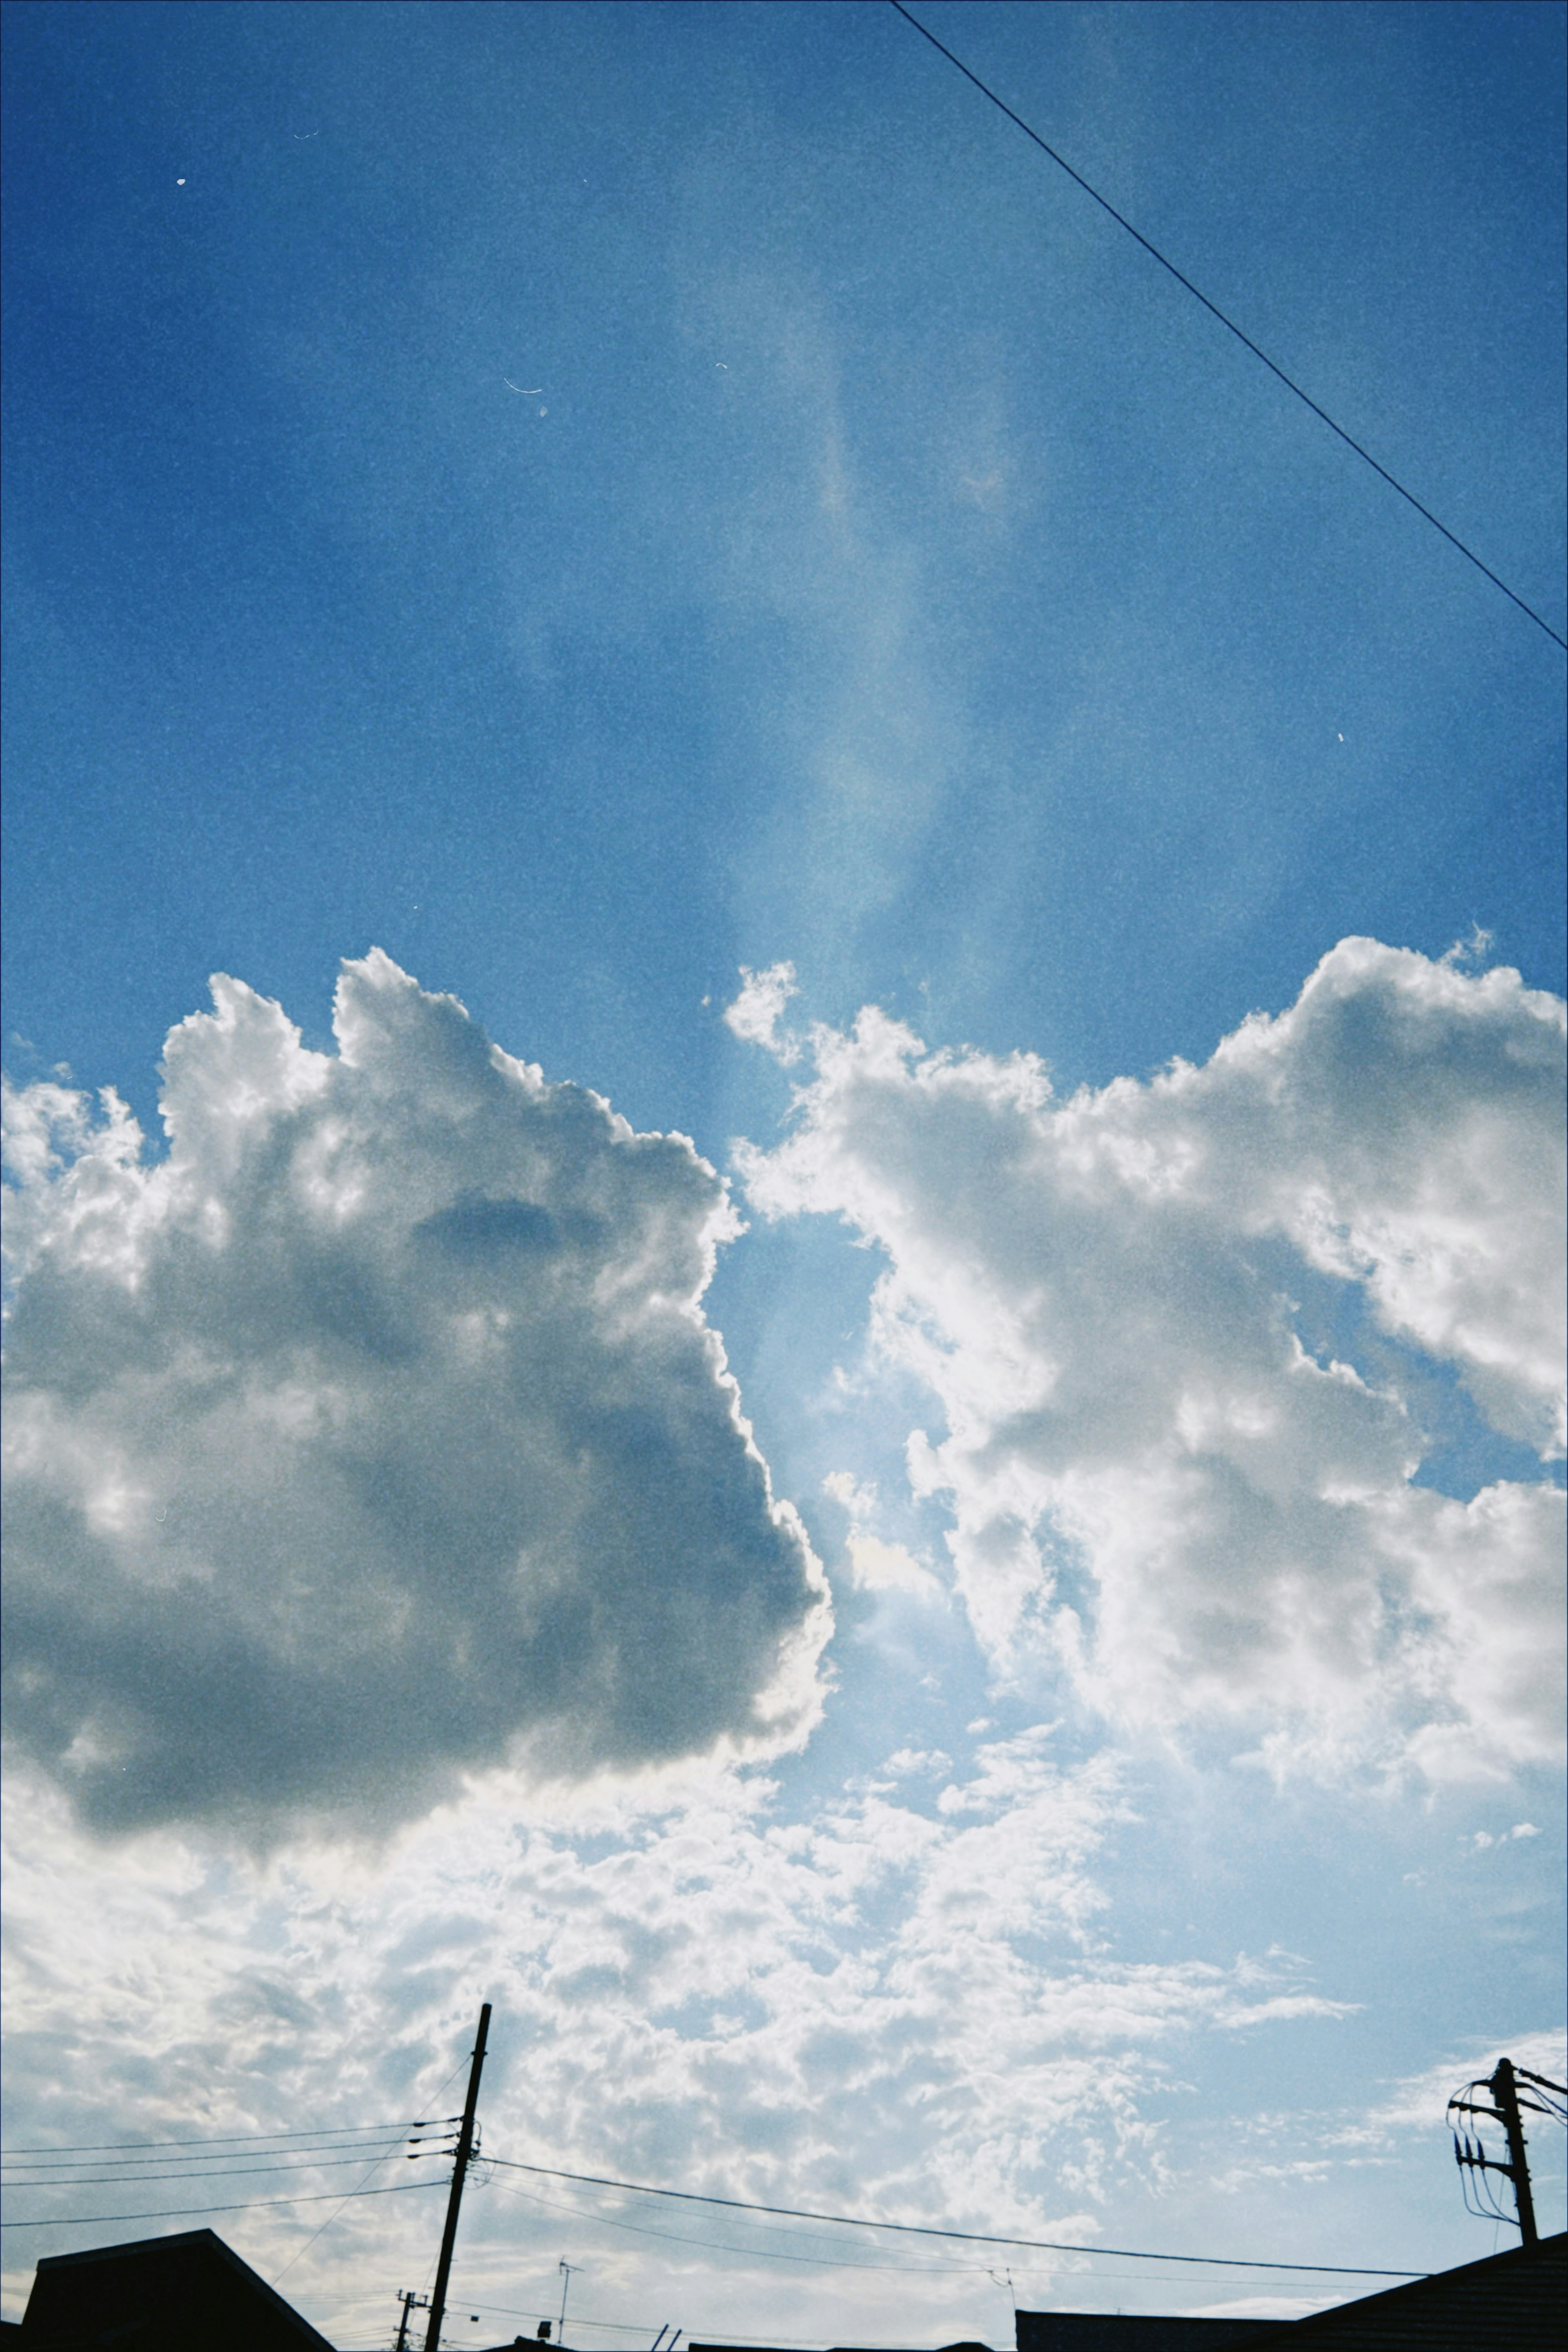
point(887, 579)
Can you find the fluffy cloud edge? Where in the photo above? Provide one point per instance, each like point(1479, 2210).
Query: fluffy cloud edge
point(1205, 1516)
point(389, 1381)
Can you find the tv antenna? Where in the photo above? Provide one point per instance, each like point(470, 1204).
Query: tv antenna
point(566, 2269)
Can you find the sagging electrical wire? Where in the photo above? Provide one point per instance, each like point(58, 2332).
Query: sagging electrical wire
point(374, 2167)
point(821, 2261)
point(219, 2140)
point(1552, 2099)
point(302, 2162)
point(642, 2327)
point(742, 2254)
point(1229, 324)
point(1475, 2161)
point(579, 2319)
point(418, 2125)
point(307, 2158)
point(965, 2237)
point(249, 2205)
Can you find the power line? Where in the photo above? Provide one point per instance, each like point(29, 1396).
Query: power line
point(322, 2131)
point(43, 2169)
point(251, 2205)
point(967, 2237)
point(1198, 295)
point(579, 2319)
point(304, 2162)
point(906, 2269)
point(742, 2254)
point(641, 2327)
point(685, 2197)
point(824, 2261)
point(754, 2254)
point(389, 2149)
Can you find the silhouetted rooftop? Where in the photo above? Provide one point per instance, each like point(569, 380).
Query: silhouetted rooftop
point(187, 2292)
point(1494, 2305)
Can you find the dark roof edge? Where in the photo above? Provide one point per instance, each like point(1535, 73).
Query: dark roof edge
point(207, 2239)
point(1414, 2290)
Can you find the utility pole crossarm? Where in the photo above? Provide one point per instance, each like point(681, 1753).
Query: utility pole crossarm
point(1471, 2157)
point(455, 2196)
point(410, 2302)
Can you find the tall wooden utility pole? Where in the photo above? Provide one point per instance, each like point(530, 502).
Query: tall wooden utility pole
point(455, 2196)
point(1505, 2091)
point(1541, 2097)
point(411, 2303)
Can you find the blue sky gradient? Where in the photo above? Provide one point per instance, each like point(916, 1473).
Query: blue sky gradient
point(321, 633)
point(589, 498)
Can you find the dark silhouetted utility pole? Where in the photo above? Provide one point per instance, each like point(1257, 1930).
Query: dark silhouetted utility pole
point(411, 2303)
point(455, 2196)
point(1470, 2155)
point(1505, 2091)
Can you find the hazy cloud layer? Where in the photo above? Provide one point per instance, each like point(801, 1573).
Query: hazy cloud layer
point(375, 1433)
point(1140, 1311)
point(904, 2006)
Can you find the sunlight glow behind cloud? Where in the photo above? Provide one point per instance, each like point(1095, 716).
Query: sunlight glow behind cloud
point(1156, 1461)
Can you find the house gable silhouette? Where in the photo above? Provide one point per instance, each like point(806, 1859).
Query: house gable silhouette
point(188, 2293)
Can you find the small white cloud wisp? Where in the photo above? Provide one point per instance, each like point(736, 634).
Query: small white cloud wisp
point(1154, 1461)
point(375, 1435)
point(755, 1014)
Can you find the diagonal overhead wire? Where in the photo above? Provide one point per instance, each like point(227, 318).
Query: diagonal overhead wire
point(300, 2161)
point(250, 2205)
point(1213, 308)
point(217, 2142)
point(924, 2229)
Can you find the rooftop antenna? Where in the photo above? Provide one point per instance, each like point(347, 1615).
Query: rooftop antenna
point(566, 2270)
point(455, 2195)
point(1470, 2153)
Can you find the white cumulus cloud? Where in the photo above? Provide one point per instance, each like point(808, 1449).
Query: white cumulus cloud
point(1152, 1456)
point(374, 1434)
